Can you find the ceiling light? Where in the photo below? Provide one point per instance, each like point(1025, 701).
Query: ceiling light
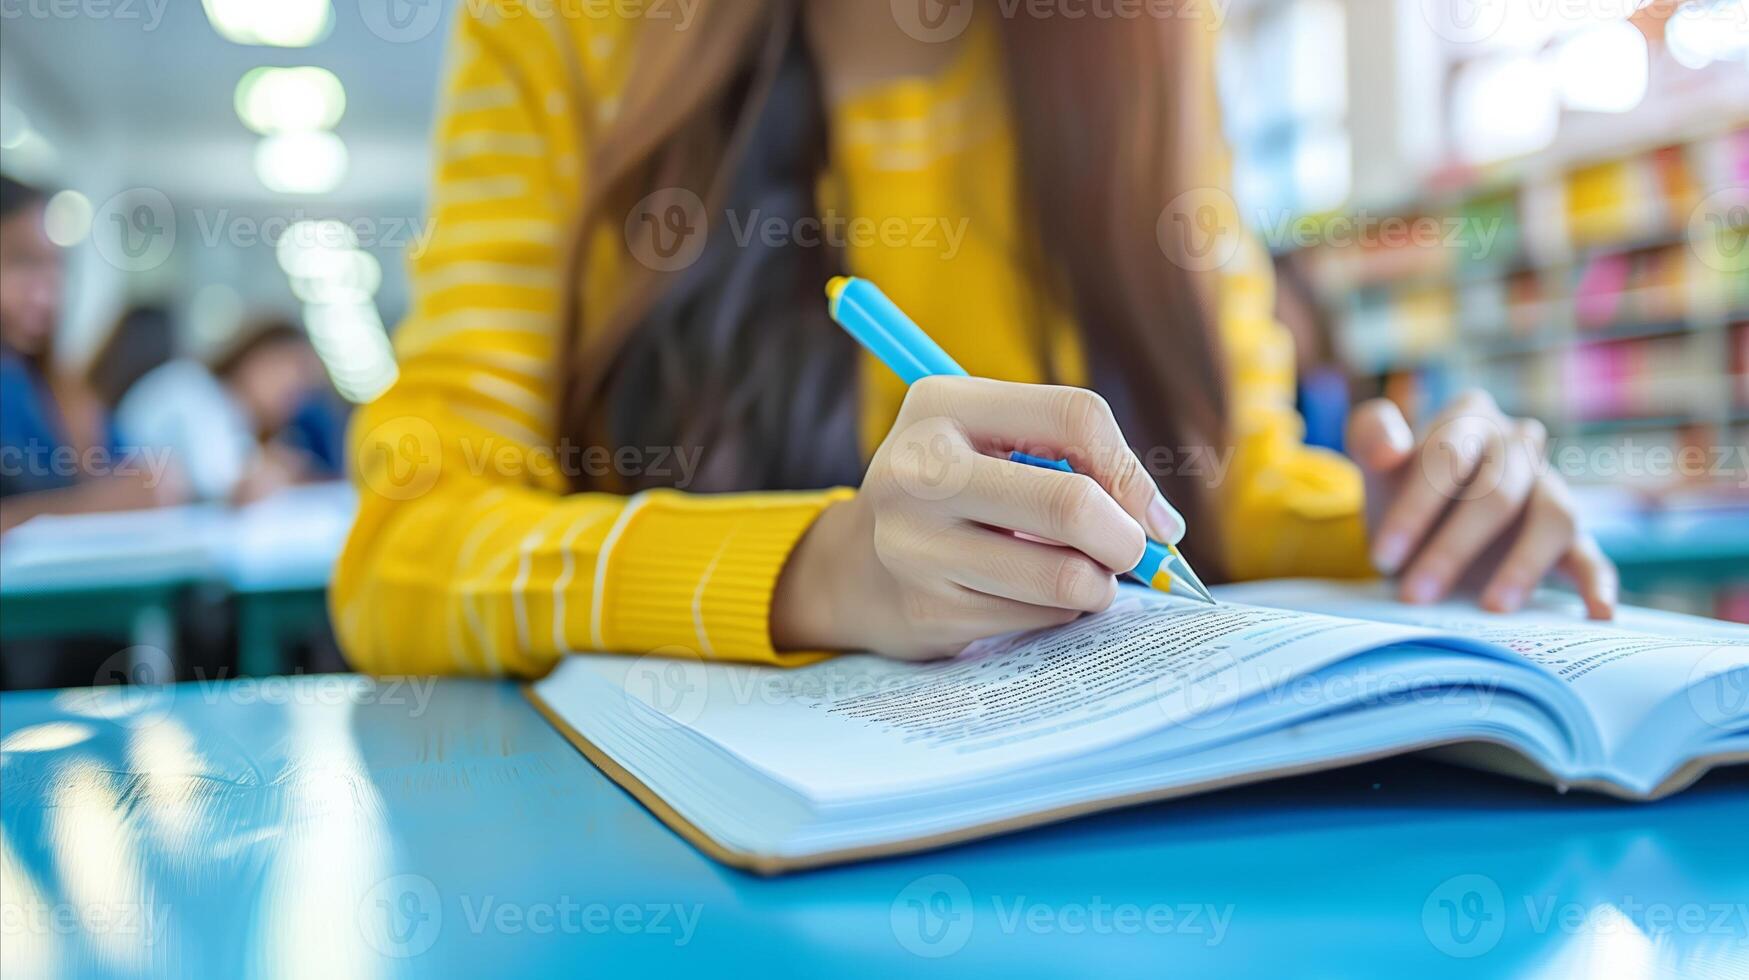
point(67, 218)
point(275, 23)
point(301, 163)
point(282, 100)
point(1602, 68)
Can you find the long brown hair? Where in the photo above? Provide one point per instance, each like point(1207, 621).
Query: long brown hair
point(734, 354)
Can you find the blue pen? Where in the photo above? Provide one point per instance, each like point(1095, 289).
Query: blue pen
point(879, 325)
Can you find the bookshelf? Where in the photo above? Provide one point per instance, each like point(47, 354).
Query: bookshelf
point(1607, 295)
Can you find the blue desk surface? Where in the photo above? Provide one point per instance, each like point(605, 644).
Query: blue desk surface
point(339, 828)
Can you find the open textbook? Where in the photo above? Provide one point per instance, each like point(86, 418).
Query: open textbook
point(773, 769)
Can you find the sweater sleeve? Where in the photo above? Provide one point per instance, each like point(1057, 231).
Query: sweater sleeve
point(467, 555)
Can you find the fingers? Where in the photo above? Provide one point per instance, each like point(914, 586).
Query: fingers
point(1444, 466)
point(1066, 507)
point(998, 564)
point(1490, 502)
point(1548, 532)
point(1056, 422)
point(1594, 576)
point(1378, 437)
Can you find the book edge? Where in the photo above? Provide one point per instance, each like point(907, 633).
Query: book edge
point(770, 865)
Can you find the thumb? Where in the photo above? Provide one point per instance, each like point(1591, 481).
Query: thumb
point(1378, 436)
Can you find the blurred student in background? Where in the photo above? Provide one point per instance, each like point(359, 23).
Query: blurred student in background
point(635, 220)
point(143, 338)
point(56, 451)
point(225, 427)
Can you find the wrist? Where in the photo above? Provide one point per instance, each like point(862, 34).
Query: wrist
point(808, 607)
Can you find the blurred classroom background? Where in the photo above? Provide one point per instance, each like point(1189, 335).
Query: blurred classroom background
point(1549, 199)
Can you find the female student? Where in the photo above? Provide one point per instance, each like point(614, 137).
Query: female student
point(621, 315)
point(55, 451)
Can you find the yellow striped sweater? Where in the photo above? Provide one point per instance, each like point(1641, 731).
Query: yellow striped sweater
point(469, 556)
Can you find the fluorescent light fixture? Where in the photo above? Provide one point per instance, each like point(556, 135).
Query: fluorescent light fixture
point(272, 23)
point(1602, 68)
point(67, 218)
point(1503, 106)
point(354, 347)
point(301, 163)
point(285, 100)
point(300, 247)
point(339, 278)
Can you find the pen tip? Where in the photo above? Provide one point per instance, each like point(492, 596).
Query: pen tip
point(835, 288)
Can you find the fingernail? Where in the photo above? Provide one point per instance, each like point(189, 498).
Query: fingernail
point(1422, 588)
point(1508, 598)
point(1389, 551)
point(1165, 523)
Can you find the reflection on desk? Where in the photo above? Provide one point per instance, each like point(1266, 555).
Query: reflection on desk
point(344, 827)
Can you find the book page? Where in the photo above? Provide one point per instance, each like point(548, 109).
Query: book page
point(860, 724)
point(1623, 670)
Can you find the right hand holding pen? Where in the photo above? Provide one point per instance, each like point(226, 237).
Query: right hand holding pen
point(949, 542)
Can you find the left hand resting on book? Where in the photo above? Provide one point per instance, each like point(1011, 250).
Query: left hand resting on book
point(1472, 500)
